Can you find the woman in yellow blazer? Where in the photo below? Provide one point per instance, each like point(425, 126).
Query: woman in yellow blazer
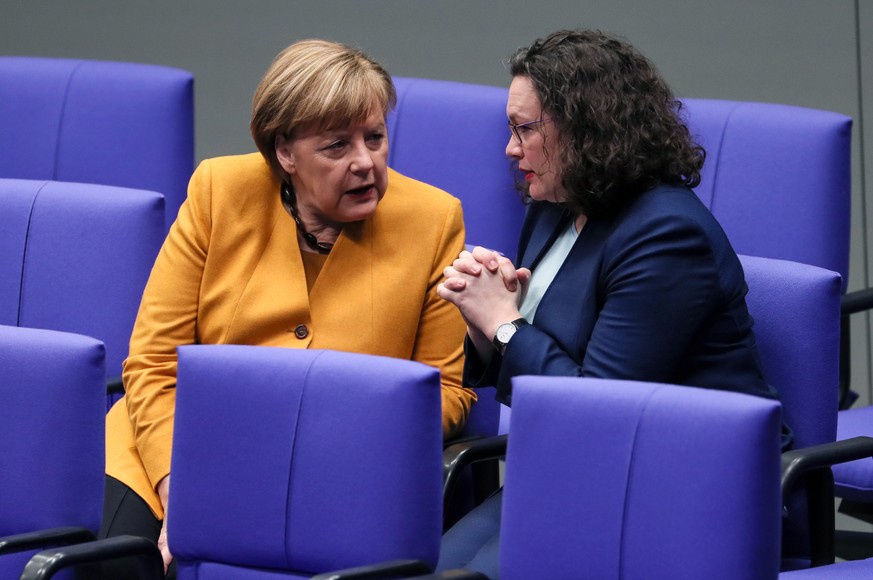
point(312, 243)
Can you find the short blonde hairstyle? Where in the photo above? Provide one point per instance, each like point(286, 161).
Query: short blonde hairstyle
point(316, 83)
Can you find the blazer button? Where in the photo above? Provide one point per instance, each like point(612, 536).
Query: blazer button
point(301, 331)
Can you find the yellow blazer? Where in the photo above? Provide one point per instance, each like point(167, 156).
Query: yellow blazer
point(230, 272)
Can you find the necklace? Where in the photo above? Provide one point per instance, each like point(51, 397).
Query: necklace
point(310, 239)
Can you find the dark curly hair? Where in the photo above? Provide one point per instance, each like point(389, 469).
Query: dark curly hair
point(620, 129)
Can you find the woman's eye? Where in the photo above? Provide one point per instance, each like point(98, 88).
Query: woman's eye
point(335, 146)
point(524, 129)
point(376, 137)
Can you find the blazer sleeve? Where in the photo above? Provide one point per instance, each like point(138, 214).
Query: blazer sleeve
point(441, 330)
point(658, 284)
point(167, 319)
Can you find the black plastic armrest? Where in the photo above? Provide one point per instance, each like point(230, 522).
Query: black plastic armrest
point(114, 386)
point(42, 539)
point(811, 466)
point(458, 456)
point(857, 301)
point(798, 462)
point(386, 570)
point(454, 575)
point(47, 563)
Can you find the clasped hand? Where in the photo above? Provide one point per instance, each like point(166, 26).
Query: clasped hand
point(487, 288)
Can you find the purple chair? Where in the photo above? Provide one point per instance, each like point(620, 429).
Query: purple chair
point(777, 178)
point(429, 115)
point(796, 312)
point(75, 257)
point(853, 483)
point(775, 175)
point(51, 425)
point(620, 479)
point(111, 123)
point(288, 463)
point(453, 135)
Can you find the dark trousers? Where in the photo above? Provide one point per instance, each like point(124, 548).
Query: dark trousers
point(125, 513)
point(474, 542)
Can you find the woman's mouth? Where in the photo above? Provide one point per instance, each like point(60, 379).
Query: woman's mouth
point(529, 175)
point(360, 191)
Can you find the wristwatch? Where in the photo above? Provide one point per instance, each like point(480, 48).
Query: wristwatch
point(505, 332)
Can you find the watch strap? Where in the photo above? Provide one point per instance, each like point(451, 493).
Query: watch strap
point(499, 344)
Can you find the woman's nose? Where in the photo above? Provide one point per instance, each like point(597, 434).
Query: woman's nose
point(513, 147)
point(362, 159)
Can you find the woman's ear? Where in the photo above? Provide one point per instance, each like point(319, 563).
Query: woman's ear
point(285, 155)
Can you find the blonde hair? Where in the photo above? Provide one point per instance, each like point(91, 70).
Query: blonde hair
point(316, 83)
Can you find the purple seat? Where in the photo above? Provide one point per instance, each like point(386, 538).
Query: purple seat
point(854, 481)
point(75, 257)
point(453, 135)
point(796, 312)
point(777, 178)
point(51, 425)
point(859, 570)
point(621, 479)
point(111, 123)
point(773, 172)
point(288, 463)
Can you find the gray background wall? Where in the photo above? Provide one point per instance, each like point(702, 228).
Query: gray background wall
point(804, 52)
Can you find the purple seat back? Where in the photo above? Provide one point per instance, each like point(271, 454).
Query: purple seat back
point(303, 461)
point(112, 123)
point(777, 178)
point(854, 480)
point(453, 135)
point(621, 479)
point(51, 424)
point(75, 257)
point(796, 309)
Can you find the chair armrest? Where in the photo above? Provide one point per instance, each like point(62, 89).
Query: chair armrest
point(797, 462)
point(454, 575)
point(386, 570)
point(812, 466)
point(43, 539)
point(114, 386)
point(857, 301)
point(459, 455)
point(47, 563)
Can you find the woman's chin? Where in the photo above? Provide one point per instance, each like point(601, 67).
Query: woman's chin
point(356, 210)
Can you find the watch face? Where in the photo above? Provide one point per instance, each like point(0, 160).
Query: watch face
point(505, 332)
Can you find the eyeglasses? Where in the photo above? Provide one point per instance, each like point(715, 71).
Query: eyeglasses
point(514, 127)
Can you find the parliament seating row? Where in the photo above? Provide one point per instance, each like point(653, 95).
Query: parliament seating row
point(76, 255)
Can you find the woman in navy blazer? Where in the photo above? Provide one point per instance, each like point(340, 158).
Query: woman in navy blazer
point(623, 272)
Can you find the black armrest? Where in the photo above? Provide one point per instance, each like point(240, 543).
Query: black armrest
point(386, 570)
point(114, 386)
point(798, 462)
point(857, 301)
point(454, 575)
point(458, 456)
point(812, 467)
point(42, 539)
point(47, 563)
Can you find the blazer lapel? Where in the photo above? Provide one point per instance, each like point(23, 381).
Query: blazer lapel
point(342, 297)
point(547, 225)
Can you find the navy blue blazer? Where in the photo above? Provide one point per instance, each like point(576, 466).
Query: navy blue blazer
point(655, 293)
